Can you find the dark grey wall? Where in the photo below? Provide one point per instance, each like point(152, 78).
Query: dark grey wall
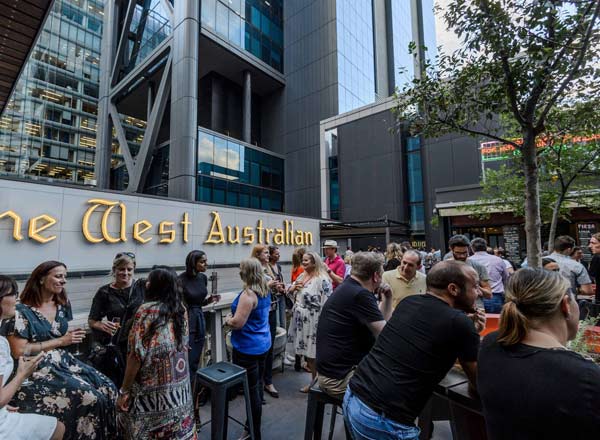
point(310, 68)
point(449, 161)
point(371, 170)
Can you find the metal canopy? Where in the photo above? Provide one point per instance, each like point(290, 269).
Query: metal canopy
point(21, 21)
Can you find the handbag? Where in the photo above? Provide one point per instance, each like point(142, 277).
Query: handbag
point(108, 360)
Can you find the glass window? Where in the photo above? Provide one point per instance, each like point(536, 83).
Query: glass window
point(415, 178)
point(222, 20)
point(220, 160)
point(235, 28)
point(209, 11)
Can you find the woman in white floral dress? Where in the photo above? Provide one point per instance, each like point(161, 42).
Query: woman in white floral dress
point(62, 386)
point(311, 290)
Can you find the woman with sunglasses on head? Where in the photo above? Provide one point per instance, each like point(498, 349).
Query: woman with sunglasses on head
point(16, 425)
point(195, 295)
point(62, 386)
point(113, 308)
point(531, 385)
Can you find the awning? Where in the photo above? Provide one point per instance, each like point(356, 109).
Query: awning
point(21, 21)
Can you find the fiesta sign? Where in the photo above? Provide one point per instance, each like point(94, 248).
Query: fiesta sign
point(104, 210)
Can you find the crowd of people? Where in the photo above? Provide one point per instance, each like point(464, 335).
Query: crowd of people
point(376, 331)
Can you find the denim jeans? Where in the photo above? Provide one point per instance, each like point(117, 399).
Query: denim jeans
point(366, 424)
point(494, 304)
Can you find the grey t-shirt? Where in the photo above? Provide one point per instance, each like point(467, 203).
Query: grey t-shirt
point(571, 270)
point(483, 276)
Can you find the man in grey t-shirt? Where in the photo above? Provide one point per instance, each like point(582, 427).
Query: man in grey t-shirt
point(459, 247)
point(569, 268)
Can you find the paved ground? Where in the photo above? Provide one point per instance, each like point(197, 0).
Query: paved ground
point(283, 418)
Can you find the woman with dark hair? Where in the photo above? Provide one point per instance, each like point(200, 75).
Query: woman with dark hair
point(72, 391)
point(112, 311)
point(16, 425)
point(195, 292)
point(531, 385)
point(155, 400)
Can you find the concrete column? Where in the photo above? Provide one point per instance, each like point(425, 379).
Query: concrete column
point(104, 131)
point(184, 100)
point(380, 39)
point(247, 108)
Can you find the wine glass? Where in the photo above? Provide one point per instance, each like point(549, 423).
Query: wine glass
point(27, 352)
point(77, 352)
point(116, 321)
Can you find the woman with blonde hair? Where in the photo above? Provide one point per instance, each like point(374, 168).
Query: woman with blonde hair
point(531, 385)
point(251, 336)
point(393, 256)
point(311, 290)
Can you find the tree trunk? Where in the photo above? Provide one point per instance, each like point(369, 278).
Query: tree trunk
point(532, 200)
point(554, 221)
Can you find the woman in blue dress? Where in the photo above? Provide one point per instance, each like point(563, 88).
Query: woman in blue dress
point(64, 387)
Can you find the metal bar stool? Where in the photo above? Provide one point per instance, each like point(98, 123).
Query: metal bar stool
point(315, 410)
point(219, 378)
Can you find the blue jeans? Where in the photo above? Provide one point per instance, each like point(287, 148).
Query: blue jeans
point(366, 424)
point(494, 304)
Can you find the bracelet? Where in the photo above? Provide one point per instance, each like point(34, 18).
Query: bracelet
point(122, 392)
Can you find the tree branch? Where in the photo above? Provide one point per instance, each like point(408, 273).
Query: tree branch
point(573, 71)
point(477, 132)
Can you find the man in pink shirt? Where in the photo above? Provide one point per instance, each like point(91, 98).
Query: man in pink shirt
point(335, 264)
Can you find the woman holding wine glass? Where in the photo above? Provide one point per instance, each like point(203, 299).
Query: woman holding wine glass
point(16, 425)
point(62, 386)
point(114, 306)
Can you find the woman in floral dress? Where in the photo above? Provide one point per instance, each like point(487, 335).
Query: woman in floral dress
point(311, 288)
point(155, 400)
point(64, 387)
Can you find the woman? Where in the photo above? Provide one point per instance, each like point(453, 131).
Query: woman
point(113, 308)
point(194, 283)
point(550, 264)
point(531, 385)
point(275, 272)
point(393, 256)
point(311, 290)
point(250, 335)
point(15, 425)
point(72, 391)
point(297, 268)
point(155, 400)
point(261, 253)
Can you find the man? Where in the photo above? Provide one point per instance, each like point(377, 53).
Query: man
point(577, 255)
point(415, 350)
point(459, 249)
point(497, 273)
point(406, 279)
point(350, 321)
point(571, 269)
point(406, 246)
point(335, 265)
point(595, 263)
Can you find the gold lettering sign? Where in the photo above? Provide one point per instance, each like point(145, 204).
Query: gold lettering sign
point(96, 203)
point(139, 228)
point(34, 229)
point(163, 231)
point(16, 224)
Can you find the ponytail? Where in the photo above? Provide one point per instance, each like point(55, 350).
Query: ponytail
point(531, 294)
point(513, 325)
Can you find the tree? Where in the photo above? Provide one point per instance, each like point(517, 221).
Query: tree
point(519, 62)
point(569, 170)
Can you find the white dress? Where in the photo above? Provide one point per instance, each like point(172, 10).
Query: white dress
point(17, 426)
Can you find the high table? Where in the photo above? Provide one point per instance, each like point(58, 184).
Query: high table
point(453, 400)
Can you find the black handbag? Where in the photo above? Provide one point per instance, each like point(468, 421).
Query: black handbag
point(108, 360)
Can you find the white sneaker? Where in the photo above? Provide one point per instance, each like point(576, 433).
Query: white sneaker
point(290, 358)
point(287, 362)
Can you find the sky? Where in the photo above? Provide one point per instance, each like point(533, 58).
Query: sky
point(445, 38)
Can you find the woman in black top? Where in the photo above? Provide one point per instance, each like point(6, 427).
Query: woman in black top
point(531, 385)
point(114, 306)
point(194, 283)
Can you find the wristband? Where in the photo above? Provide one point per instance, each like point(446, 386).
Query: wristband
point(122, 392)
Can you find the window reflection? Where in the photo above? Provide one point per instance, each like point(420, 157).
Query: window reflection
point(235, 174)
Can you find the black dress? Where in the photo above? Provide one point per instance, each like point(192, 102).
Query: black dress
point(194, 293)
point(63, 386)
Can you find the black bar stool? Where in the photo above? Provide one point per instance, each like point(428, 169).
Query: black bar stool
point(219, 378)
point(315, 410)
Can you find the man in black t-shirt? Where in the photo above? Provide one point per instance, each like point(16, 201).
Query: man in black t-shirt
point(350, 321)
point(415, 350)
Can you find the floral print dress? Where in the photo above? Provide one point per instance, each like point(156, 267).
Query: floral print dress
point(161, 396)
point(63, 386)
point(306, 312)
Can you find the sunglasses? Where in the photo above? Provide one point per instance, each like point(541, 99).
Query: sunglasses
point(128, 254)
